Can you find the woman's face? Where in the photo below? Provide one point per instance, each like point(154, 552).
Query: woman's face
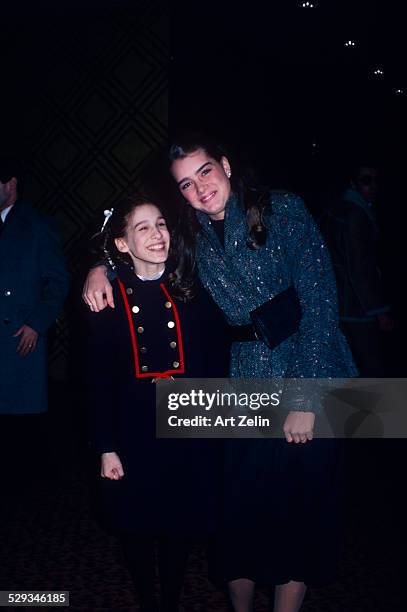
point(147, 239)
point(204, 182)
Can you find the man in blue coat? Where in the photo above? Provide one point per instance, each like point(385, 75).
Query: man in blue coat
point(33, 286)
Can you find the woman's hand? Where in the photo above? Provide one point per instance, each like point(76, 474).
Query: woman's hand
point(299, 426)
point(97, 291)
point(111, 466)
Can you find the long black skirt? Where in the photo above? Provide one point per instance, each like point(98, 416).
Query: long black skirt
point(281, 515)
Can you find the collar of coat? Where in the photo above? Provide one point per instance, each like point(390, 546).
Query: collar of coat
point(236, 230)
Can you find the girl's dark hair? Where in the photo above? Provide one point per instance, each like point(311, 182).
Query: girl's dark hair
point(243, 183)
point(116, 226)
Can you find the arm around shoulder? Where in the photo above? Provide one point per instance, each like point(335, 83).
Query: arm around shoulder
point(97, 291)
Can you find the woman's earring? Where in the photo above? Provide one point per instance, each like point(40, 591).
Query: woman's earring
point(228, 173)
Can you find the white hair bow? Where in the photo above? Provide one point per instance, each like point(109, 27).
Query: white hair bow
point(108, 214)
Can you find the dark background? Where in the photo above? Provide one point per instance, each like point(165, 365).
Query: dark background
point(91, 90)
point(278, 79)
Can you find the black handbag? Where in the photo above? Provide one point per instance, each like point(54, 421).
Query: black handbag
point(278, 318)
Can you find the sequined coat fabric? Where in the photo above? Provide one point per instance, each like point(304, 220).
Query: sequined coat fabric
point(241, 279)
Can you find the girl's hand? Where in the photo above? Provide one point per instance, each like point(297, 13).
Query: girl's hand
point(299, 426)
point(111, 466)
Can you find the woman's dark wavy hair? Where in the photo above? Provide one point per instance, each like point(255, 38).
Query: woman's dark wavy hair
point(243, 182)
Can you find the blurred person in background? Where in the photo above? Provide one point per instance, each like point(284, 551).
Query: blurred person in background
point(352, 234)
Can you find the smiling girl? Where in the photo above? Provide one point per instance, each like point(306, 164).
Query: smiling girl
point(153, 491)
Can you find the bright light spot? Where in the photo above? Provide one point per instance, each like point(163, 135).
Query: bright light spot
point(378, 72)
point(350, 43)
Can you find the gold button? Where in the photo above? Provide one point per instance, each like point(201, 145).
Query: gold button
point(136, 309)
point(143, 349)
point(129, 290)
point(140, 329)
point(144, 368)
point(175, 364)
point(171, 324)
point(168, 305)
point(173, 344)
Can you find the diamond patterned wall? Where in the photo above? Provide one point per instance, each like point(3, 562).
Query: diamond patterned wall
point(99, 117)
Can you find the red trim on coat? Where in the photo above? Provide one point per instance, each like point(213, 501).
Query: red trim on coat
point(178, 326)
point(166, 373)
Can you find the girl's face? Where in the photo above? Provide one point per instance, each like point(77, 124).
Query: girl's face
point(147, 239)
point(204, 182)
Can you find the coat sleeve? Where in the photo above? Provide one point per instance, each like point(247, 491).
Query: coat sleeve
point(361, 263)
point(110, 272)
point(53, 277)
point(102, 364)
point(320, 349)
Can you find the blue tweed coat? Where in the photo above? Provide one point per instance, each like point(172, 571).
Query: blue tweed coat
point(241, 279)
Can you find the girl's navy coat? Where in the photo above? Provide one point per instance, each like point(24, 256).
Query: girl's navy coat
point(169, 485)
